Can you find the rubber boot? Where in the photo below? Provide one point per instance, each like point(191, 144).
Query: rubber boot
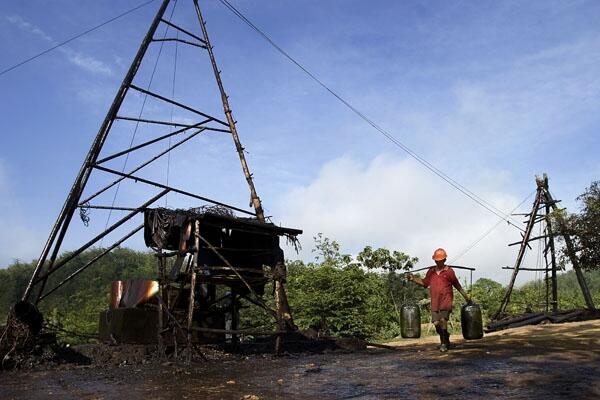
point(445, 340)
point(440, 332)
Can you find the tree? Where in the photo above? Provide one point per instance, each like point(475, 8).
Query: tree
point(488, 294)
point(584, 228)
point(386, 260)
point(393, 290)
point(328, 252)
point(343, 298)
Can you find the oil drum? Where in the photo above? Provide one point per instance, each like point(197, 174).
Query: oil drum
point(471, 321)
point(410, 321)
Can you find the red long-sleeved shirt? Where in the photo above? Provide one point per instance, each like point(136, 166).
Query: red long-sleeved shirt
point(440, 287)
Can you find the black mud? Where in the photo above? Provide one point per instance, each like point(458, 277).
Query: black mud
point(543, 362)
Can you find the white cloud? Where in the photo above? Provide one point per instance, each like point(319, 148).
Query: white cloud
point(88, 63)
point(538, 98)
point(27, 26)
point(395, 203)
point(77, 58)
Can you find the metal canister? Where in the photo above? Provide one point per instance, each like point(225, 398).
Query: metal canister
point(471, 321)
point(116, 293)
point(410, 321)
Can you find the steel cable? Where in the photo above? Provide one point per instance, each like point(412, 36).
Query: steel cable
point(473, 196)
point(17, 65)
point(137, 124)
point(486, 233)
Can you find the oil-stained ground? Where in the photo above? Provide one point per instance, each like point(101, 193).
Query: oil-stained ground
point(540, 362)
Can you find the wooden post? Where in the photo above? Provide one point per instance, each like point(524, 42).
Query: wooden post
point(544, 199)
point(572, 256)
point(285, 321)
point(161, 289)
point(550, 235)
point(193, 288)
point(254, 199)
point(234, 310)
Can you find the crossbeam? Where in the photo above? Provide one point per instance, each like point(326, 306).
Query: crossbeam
point(148, 143)
point(175, 103)
point(175, 190)
point(139, 167)
point(180, 29)
point(180, 40)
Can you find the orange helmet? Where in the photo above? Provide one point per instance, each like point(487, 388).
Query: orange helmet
point(439, 255)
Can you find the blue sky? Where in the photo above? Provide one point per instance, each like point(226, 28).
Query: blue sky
point(490, 92)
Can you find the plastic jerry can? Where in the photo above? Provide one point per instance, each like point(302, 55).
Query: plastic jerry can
point(410, 321)
point(471, 321)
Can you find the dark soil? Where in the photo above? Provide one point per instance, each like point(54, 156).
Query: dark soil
point(547, 361)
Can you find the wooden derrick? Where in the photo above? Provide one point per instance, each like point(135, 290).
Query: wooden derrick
point(543, 204)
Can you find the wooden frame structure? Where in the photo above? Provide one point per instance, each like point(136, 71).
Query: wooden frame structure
point(543, 205)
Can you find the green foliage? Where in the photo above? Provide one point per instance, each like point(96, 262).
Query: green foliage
point(331, 294)
point(531, 296)
point(488, 294)
point(350, 299)
point(327, 252)
point(76, 305)
point(252, 316)
point(384, 259)
point(584, 228)
point(333, 299)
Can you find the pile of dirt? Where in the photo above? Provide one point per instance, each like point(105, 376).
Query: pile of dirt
point(43, 351)
point(112, 355)
point(24, 345)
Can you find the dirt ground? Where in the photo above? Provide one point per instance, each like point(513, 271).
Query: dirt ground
point(539, 362)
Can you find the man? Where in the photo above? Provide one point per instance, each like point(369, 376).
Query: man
point(440, 279)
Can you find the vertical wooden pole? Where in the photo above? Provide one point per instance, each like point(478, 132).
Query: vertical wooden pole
point(193, 288)
point(550, 244)
point(254, 199)
point(161, 290)
point(570, 247)
point(284, 315)
point(234, 316)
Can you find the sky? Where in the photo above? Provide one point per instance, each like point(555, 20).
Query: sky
point(490, 92)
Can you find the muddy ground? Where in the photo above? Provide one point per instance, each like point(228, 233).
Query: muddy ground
point(539, 362)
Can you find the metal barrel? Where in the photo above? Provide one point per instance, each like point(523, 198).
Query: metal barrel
point(410, 321)
point(116, 293)
point(471, 321)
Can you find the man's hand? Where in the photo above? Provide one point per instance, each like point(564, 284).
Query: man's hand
point(414, 279)
point(466, 296)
